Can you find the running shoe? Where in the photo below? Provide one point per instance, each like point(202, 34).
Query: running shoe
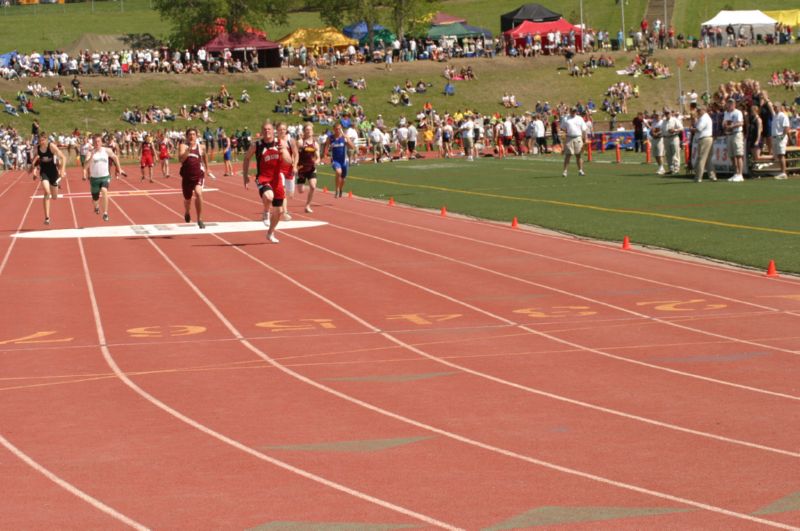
point(781, 177)
point(105, 216)
point(47, 221)
point(286, 216)
point(581, 172)
point(564, 173)
point(308, 210)
point(187, 218)
point(201, 224)
point(265, 218)
point(736, 179)
point(97, 210)
point(272, 239)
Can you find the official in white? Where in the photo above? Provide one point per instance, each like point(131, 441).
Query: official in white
point(575, 129)
point(732, 123)
point(704, 141)
point(780, 136)
point(672, 140)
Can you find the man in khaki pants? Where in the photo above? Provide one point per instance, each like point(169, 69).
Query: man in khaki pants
point(704, 140)
point(671, 131)
point(575, 129)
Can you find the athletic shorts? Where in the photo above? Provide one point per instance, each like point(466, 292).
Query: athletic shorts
point(188, 186)
point(288, 184)
point(306, 176)
point(277, 189)
point(146, 162)
point(52, 178)
point(339, 166)
point(227, 155)
point(658, 147)
point(96, 183)
point(507, 140)
point(164, 156)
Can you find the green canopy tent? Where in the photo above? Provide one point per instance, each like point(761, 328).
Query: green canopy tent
point(384, 35)
point(457, 30)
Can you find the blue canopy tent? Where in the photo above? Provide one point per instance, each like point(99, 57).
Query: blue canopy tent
point(483, 31)
point(359, 30)
point(5, 59)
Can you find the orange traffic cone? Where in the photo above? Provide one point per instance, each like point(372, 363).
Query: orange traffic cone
point(444, 211)
point(514, 223)
point(391, 201)
point(771, 270)
point(626, 243)
point(350, 195)
point(325, 190)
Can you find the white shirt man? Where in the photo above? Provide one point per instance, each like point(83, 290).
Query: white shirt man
point(467, 130)
point(575, 129)
point(780, 137)
point(732, 123)
point(703, 140)
point(671, 131)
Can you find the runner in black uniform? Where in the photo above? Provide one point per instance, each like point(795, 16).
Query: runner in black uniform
point(48, 165)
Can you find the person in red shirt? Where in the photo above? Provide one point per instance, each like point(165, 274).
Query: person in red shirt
point(288, 170)
point(146, 157)
point(164, 147)
point(194, 161)
point(270, 153)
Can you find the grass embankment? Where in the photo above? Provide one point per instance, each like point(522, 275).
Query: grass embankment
point(747, 223)
point(543, 78)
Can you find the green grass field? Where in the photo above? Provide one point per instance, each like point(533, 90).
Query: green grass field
point(749, 223)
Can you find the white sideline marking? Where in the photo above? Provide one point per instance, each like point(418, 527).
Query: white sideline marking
point(165, 229)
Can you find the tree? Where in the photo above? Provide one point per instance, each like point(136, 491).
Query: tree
point(337, 12)
point(195, 21)
point(406, 14)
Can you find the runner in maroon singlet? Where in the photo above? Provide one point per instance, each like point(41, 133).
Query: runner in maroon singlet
point(308, 159)
point(194, 162)
point(146, 157)
point(269, 153)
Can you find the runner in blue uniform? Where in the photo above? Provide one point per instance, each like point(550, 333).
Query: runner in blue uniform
point(337, 145)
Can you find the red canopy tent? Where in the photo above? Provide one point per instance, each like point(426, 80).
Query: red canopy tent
point(543, 28)
point(440, 19)
point(268, 54)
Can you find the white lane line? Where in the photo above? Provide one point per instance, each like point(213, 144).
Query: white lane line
point(602, 352)
point(94, 502)
point(565, 261)
point(19, 228)
point(390, 414)
point(205, 429)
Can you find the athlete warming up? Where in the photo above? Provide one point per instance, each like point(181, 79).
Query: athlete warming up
point(97, 171)
point(308, 158)
point(194, 161)
point(337, 145)
point(49, 164)
point(270, 154)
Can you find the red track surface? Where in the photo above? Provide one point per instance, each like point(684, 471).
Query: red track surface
point(392, 368)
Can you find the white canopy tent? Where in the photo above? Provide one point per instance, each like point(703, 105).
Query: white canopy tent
point(760, 23)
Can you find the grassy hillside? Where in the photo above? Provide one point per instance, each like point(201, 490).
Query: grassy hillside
point(529, 79)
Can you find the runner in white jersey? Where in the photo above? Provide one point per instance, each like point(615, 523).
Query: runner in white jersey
point(97, 171)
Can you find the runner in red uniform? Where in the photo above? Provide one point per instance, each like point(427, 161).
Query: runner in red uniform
point(269, 153)
point(194, 161)
point(164, 147)
point(288, 169)
point(146, 157)
point(308, 158)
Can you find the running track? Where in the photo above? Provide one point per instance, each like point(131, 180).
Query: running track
point(392, 369)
